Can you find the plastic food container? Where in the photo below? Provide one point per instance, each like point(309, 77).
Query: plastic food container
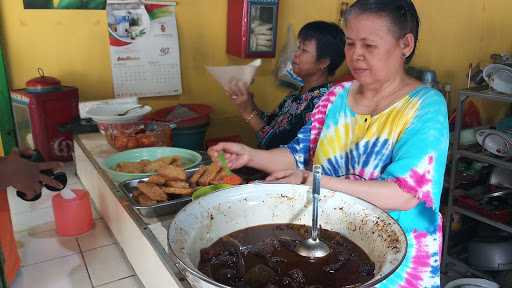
point(124, 136)
point(72, 216)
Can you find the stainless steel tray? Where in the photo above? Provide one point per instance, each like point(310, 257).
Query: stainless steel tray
point(160, 209)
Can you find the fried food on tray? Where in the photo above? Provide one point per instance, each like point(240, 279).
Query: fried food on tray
point(209, 174)
point(219, 178)
point(172, 179)
point(153, 191)
point(179, 191)
point(197, 175)
point(143, 199)
point(177, 184)
point(173, 173)
point(157, 179)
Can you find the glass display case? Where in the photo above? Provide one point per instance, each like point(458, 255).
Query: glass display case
point(252, 28)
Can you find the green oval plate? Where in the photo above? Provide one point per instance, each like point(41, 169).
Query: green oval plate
point(189, 159)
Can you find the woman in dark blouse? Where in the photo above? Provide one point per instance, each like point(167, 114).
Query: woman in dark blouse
point(319, 54)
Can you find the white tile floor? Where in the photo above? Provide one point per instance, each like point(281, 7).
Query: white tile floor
point(94, 259)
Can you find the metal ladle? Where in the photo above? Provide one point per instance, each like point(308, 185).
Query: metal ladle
point(313, 247)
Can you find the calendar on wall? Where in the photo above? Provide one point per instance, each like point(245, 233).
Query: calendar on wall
point(144, 48)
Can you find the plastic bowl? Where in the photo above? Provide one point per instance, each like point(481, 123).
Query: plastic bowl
point(138, 134)
point(108, 113)
point(189, 159)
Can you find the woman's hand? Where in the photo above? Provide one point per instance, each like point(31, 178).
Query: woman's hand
point(293, 176)
point(238, 92)
point(25, 175)
point(237, 155)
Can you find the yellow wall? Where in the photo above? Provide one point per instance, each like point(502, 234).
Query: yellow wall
point(73, 46)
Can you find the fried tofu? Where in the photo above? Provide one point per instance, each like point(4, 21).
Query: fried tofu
point(173, 173)
point(209, 174)
point(179, 191)
point(152, 191)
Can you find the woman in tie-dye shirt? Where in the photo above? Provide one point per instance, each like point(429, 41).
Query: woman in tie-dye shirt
point(382, 137)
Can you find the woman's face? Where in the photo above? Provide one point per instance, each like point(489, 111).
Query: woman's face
point(304, 60)
point(373, 53)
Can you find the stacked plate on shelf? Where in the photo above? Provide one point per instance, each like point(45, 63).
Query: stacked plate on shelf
point(499, 77)
point(496, 142)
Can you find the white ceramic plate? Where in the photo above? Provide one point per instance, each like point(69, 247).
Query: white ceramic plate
point(499, 77)
point(107, 113)
point(495, 142)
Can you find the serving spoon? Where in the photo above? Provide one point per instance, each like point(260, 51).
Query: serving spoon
point(314, 247)
point(131, 109)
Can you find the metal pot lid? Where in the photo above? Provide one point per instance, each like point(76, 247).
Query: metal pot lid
point(42, 84)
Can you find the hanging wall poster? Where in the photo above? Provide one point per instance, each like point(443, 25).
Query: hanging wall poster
point(65, 4)
point(144, 48)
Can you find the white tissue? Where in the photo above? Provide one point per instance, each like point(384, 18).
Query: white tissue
point(67, 194)
point(225, 74)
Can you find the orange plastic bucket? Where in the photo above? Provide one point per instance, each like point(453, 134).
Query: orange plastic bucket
point(72, 216)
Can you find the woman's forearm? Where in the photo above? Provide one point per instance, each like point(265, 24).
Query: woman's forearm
point(251, 115)
point(255, 121)
point(271, 161)
point(386, 195)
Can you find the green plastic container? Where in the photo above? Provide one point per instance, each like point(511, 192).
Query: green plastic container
point(191, 138)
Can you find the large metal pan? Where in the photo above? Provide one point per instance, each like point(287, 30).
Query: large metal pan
point(202, 222)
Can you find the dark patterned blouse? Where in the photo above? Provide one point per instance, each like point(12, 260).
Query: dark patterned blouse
point(283, 124)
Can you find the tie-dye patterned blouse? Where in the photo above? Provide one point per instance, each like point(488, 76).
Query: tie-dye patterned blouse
point(406, 144)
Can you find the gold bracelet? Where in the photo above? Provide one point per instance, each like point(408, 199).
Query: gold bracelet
point(251, 116)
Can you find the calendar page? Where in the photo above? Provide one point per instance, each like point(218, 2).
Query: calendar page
point(144, 48)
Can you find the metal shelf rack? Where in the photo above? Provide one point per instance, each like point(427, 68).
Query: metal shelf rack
point(457, 153)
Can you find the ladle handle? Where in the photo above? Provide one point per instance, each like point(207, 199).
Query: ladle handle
point(317, 172)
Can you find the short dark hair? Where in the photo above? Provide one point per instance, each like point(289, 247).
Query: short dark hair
point(330, 42)
point(402, 15)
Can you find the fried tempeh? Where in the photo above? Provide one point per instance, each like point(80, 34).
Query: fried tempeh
point(219, 178)
point(173, 173)
point(197, 175)
point(180, 191)
point(209, 174)
point(177, 184)
point(152, 190)
point(157, 179)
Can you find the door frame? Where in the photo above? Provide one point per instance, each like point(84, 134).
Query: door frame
point(7, 130)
